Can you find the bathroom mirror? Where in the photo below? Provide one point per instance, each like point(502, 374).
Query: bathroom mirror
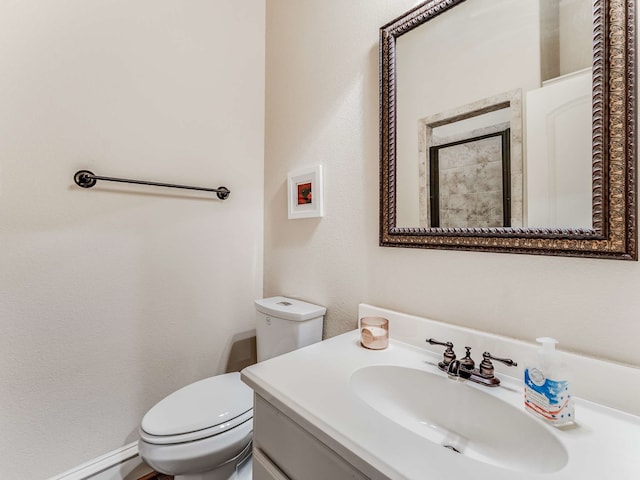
point(509, 126)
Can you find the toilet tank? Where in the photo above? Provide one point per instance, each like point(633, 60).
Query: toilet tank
point(284, 324)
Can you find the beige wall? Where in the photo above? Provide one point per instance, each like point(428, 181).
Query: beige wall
point(322, 107)
point(566, 36)
point(113, 297)
point(575, 35)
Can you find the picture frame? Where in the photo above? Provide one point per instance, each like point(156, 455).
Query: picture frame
point(305, 193)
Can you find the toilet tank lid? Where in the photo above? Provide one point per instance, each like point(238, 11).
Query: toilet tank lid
point(289, 308)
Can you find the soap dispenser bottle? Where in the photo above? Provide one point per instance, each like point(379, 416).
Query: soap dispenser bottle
point(546, 386)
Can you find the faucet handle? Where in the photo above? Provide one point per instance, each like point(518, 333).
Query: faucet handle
point(448, 356)
point(486, 367)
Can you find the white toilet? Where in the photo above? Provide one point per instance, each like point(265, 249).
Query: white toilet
point(203, 431)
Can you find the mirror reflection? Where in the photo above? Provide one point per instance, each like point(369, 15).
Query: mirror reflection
point(494, 121)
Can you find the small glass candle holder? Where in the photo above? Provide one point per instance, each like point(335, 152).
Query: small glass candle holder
point(374, 332)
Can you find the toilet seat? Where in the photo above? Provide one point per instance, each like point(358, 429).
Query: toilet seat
point(203, 409)
point(218, 452)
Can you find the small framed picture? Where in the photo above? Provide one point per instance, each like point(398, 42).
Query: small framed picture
point(305, 192)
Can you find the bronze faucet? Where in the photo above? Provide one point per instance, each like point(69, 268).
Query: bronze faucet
point(465, 367)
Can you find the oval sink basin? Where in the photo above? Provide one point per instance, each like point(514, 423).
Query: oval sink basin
point(460, 417)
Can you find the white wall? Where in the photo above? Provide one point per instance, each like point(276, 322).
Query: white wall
point(113, 297)
point(322, 106)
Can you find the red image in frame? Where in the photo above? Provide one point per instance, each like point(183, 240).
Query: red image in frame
point(304, 193)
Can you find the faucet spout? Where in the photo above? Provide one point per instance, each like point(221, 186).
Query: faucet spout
point(453, 369)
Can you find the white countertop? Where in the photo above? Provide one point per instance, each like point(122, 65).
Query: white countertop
point(311, 386)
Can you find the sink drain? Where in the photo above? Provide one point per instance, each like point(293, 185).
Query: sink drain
point(451, 447)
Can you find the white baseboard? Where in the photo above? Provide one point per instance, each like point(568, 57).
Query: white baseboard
point(118, 464)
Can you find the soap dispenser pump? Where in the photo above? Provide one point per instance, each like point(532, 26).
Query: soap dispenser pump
point(546, 386)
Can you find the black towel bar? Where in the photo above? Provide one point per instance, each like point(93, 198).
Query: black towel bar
point(86, 179)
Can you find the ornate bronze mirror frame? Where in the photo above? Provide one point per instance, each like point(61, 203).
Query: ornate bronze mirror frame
point(614, 230)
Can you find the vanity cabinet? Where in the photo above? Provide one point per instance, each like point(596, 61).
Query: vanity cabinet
point(283, 450)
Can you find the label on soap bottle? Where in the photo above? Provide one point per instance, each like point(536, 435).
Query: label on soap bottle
point(548, 398)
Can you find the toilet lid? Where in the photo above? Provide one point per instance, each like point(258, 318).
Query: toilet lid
point(222, 401)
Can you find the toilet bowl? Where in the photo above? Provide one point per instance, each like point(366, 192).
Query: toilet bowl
point(205, 427)
point(204, 430)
